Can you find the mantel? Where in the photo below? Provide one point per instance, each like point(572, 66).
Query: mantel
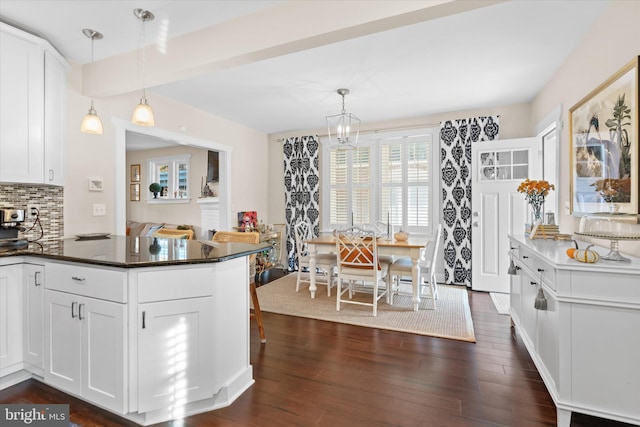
point(208, 200)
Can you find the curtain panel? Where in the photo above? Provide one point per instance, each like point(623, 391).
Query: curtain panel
point(301, 189)
point(456, 137)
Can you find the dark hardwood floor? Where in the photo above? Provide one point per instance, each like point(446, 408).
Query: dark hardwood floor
point(314, 373)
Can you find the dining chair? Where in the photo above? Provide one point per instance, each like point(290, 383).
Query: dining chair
point(173, 233)
point(403, 265)
point(380, 228)
point(254, 238)
point(357, 251)
point(325, 263)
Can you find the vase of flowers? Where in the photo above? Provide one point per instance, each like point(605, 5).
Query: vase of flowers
point(535, 192)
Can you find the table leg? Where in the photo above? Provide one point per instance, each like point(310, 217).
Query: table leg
point(312, 270)
point(415, 282)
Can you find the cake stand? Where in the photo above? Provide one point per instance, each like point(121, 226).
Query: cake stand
point(614, 254)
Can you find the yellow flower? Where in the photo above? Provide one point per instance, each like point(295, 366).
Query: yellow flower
point(535, 190)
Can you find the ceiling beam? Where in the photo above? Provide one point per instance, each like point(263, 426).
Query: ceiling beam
point(286, 28)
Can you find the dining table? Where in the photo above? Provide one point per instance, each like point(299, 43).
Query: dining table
point(412, 248)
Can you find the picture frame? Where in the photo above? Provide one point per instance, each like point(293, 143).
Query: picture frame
point(96, 184)
point(604, 153)
point(135, 173)
point(134, 192)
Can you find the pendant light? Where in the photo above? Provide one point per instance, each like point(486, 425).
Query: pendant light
point(344, 127)
point(143, 114)
point(91, 123)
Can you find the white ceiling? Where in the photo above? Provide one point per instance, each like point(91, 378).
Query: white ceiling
point(496, 55)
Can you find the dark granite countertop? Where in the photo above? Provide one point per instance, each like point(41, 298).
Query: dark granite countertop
point(131, 252)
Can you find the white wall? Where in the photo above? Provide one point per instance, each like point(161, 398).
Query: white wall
point(611, 43)
point(94, 155)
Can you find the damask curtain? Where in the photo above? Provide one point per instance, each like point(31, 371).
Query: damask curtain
point(302, 189)
point(456, 137)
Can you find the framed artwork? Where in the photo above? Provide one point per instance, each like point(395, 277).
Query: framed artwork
point(247, 220)
point(603, 132)
point(95, 184)
point(135, 173)
point(134, 192)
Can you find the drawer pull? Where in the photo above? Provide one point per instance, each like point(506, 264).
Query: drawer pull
point(80, 311)
point(525, 257)
point(532, 283)
point(144, 315)
point(73, 310)
point(540, 270)
point(77, 279)
point(37, 279)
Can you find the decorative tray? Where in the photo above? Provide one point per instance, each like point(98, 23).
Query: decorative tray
point(92, 236)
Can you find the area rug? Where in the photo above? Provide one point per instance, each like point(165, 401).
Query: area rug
point(452, 319)
point(500, 302)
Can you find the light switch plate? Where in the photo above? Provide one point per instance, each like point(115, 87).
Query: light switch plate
point(99, 209)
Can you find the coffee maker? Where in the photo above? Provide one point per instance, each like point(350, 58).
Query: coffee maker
point(10, 221)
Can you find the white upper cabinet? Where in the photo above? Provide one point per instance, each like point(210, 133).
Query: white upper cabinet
point(32, 107)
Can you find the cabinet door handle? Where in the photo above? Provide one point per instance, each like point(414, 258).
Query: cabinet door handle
point(540, 270)
point(80, 311)
point(525, 257)
point(532, 283)
point(144, 315)
point(37, 279)
point(77, 279)
point(73, 310)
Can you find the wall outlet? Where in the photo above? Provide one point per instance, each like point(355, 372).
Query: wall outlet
point(99, 209)
point(33, 210)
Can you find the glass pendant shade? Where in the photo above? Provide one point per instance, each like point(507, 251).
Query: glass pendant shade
point(143, 114)
point(344, 128)
point(91, 123)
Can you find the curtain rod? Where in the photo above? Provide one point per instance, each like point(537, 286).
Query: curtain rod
point(379, 130)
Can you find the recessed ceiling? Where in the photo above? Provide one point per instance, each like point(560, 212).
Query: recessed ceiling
point(496, 55)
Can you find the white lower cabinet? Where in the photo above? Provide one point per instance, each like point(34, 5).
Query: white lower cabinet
point(149, 344)
point(33, 317)
point(585, 342)
point(86, 332)
point(175, 353)
point(85, 348)
point(10, 319)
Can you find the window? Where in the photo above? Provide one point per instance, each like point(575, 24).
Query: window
point(386, 176)
point(172, 173)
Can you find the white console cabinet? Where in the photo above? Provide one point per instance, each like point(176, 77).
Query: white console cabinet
point(586, 343)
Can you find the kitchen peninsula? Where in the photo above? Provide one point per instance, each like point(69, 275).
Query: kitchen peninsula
point(149, 329)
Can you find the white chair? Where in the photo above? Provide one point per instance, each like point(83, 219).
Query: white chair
point(357, 251)
point(380, 229)
point(325, 263)
point(403, 265)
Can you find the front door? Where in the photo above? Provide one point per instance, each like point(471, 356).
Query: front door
point(498, 167)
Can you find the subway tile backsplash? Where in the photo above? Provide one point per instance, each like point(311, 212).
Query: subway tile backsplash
point(48, 198)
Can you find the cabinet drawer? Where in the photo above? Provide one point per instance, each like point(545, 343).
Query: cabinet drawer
point(539, 269)
point(164, 285)
point(110, 285)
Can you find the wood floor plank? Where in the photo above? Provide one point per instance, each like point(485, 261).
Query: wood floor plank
point(317, 373)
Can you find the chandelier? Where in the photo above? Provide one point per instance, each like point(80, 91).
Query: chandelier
point(343, 127)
